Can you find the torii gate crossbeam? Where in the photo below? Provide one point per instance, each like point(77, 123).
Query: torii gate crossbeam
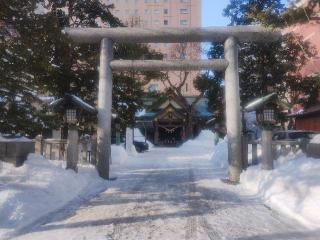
point(231, 36)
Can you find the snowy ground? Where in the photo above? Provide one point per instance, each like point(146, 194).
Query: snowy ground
point(169, 193)
point(293, 187)
point(30, 192)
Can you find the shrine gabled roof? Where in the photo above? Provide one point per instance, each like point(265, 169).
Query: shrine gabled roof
point(201, 109)
point(178, 113)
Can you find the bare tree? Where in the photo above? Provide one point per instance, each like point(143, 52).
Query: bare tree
point(177, 81)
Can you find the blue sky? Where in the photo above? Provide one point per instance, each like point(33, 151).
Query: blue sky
point(212, 13)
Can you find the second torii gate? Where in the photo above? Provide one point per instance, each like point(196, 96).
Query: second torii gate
point(231, 36)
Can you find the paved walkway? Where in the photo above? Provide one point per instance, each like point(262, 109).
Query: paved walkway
point(169, 194)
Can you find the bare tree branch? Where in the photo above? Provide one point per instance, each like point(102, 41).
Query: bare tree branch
point(183, 81)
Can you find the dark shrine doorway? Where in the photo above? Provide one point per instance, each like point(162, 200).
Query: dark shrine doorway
point(170, 135)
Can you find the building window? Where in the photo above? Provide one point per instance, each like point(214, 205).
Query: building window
point(146, 11)
point(156, 22)
point(184, 11)
point(165, 22)
point(165, 11)
point(184, 1)
point(153, 88)
point(183, 22)
point(136, 12)
point(165, 1)
point(117, 12)
point(156, 11)
point(156, 1)
point(127, 11)
point(186, 87)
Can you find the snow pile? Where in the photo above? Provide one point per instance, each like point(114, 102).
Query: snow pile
point(220, 154)
point(201, 146)
point(118, 154)
point(205, 139)
point(293, 187)
point(40, 187)
point(316, 139)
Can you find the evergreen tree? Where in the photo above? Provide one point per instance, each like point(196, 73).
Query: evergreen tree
point(273, 66)
point(73, 68)
point(18, 99)
point(42, 60)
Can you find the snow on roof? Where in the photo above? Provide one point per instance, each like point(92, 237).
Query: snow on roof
point(258, 103)
point(72, 99)
point(85, 105)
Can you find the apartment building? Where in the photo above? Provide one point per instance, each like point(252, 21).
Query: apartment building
point(161, 14)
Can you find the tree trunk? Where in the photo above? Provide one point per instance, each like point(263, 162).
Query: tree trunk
point(189, 126)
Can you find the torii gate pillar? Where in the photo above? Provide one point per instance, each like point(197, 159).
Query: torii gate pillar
point(104, 108)
point(233, 113)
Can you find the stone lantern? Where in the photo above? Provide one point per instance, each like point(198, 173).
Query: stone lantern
point(266, 109)
point(72, 108)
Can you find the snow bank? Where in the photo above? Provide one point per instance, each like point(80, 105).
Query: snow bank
point(205, 139)
point(118, 154)
point(220, 154)
point(40, 187)
point(293, 187)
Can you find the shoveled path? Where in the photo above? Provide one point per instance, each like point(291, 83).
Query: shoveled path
point(169, 193)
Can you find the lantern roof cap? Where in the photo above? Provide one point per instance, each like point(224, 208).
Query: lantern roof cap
point(70, 100)
point(260, 102)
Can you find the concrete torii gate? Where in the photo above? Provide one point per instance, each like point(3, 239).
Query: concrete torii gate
point(231, 36)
